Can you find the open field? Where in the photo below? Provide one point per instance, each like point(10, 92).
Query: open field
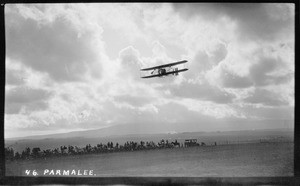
point(237, 160)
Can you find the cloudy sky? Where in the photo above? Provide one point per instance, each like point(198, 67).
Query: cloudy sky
point(76, 66)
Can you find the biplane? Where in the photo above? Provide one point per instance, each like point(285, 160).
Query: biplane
point(165, 70)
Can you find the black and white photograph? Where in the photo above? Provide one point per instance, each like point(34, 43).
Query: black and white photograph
point(149, 90)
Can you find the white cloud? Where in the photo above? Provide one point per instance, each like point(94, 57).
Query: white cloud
point(215, 110)
point(82, 61)
point(61, 53)
point(265, 97)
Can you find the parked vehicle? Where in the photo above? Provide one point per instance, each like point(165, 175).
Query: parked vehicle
point(190, 143)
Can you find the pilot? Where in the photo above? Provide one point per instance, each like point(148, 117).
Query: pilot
point(162, 71)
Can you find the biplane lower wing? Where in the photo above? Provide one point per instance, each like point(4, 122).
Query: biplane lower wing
point(164, 66)
point(159, 75)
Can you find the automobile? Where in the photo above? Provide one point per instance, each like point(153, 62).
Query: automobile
point(191, 143)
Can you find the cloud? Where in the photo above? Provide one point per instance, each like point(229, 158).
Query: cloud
point(122, 17)
point(260, 72)
point(265, 97)
point(159, 25)
point(130, 62)
point(63, 52)
point(136, 101)
point(26, 98)
point(208, 108)
point(259, 67)
point(204, 61)
point(159, 56)
point(25, 95)
point(19, 75)
point(201, 91)
point(253, 111)
point(14, 77)
point(231, 80)
point(254, 20)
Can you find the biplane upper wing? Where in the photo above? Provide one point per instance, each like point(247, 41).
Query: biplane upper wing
point(166, 65)
point(158, 75)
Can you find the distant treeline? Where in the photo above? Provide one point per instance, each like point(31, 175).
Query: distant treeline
point(36, 152)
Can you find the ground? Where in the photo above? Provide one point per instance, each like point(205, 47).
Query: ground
point(234, 160)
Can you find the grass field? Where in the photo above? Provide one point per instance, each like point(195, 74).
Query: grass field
point(235, 160)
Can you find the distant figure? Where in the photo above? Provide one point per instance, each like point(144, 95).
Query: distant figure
point(175, 144)
point(215, 143)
